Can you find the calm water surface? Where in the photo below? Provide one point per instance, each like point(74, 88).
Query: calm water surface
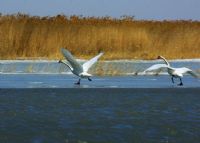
point(100, 115)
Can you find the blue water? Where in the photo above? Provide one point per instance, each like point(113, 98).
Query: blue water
point(49, 108)
point(67, 81)
point(100, 115)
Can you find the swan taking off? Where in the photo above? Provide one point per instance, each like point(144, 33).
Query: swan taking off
point(76, 68)
point(173, 72)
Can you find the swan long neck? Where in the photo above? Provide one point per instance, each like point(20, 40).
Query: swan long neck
point(66, 65)
point(166, 62)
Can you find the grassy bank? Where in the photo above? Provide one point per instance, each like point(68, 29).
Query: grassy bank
point(23, 36)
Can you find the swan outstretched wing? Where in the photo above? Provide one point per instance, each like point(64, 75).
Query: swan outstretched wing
point(156, 68)
point(189, 71)
point(194, 74)
point(75, 65)
point(92, 61)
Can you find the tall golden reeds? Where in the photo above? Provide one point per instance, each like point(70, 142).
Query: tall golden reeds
point(24, 36)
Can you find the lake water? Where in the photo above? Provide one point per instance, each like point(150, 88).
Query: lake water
point(49, 108)
point(67, 81)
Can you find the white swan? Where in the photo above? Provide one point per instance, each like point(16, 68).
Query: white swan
point(76, 68)
point(173, 72)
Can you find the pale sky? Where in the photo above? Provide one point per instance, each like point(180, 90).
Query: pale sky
point(141, 9)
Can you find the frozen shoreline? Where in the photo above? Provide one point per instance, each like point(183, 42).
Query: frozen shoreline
point(114, 67)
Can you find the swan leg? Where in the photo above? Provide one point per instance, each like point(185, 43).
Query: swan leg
point(181, 83)
point(79, 81)
point(172, 79)
point(89, 79)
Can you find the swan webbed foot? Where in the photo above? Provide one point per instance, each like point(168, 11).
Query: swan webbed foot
point(78, 83)
point(89, 79)
point(180, 84)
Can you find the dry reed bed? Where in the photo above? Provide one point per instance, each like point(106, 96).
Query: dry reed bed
point(25, 36)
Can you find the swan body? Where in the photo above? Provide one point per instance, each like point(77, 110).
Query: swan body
point(173, 72)
point(76, 68)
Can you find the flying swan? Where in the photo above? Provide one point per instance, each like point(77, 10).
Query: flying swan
point(173, 72)
point(76, 68)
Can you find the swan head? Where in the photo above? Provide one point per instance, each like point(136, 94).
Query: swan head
point(160, 57)
point(166, 62)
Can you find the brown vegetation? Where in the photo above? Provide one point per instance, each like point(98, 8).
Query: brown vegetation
point(23, 36)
